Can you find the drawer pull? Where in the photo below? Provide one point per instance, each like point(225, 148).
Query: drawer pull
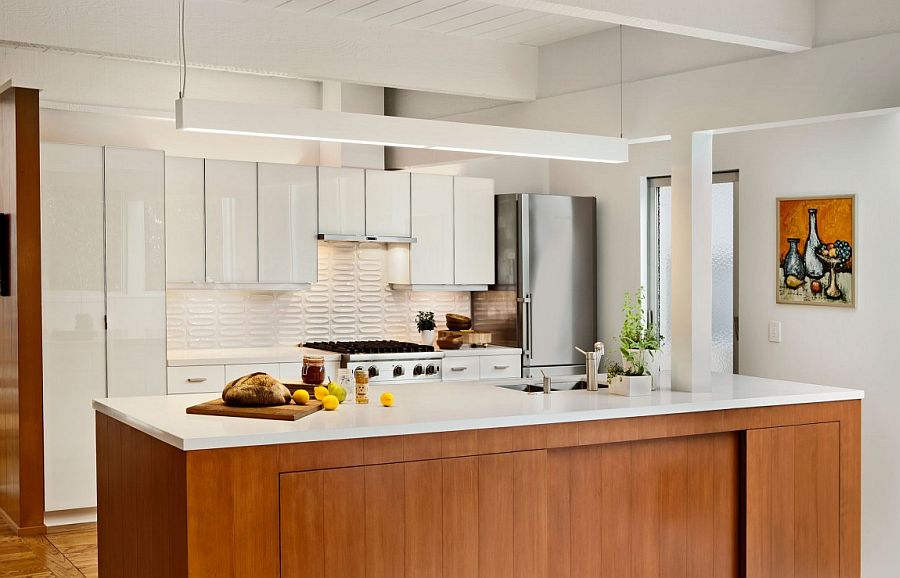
point(501, 367)
point(196, 379)
point(458, 368)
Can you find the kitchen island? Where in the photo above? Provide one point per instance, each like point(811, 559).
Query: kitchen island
point(469, 479)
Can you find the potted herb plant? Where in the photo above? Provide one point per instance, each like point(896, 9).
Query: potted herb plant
point(425, 324)
point(639, 340)
point(631, 382)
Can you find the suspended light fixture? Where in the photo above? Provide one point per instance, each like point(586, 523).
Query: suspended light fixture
point(347, 127)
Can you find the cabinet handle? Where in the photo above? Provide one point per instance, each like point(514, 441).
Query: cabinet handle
point(457, 369)
point(501, 367)
point(196, 379)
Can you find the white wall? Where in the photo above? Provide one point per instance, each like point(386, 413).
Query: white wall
point(832, 346)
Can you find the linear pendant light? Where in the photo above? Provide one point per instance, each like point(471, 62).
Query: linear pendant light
point(347, 127)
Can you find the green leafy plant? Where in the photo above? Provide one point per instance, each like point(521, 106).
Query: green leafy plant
point(638, 339)
point(425, 320)
point(614, 370)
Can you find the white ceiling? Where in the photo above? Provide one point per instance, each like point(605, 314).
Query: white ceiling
point(466, 18)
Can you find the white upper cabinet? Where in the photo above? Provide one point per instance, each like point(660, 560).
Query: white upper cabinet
point(473, 240)
point(135, 272)
point(185, 235)
point(388, 203)
point(288, 224)
point(231, 222)
point(342, 201)
point(431, 256)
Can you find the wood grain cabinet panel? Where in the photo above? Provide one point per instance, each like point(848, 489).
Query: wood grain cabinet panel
point(793, 501)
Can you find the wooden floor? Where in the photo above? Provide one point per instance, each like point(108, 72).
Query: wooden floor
point(67, 551)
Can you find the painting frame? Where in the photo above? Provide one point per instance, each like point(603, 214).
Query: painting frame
point(851, 302)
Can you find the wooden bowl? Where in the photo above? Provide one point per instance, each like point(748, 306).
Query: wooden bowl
point(457, 322)
point(449, 339)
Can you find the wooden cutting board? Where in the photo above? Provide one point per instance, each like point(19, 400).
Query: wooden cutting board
point(290, 412)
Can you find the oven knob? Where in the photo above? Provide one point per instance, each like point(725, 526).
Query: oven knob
point(429, 370)
point(418, 370)
point(373, 371)
point(398, 370)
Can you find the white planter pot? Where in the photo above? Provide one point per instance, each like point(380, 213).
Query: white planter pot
point(631, 386)
point(427, 337)
point(651, 364)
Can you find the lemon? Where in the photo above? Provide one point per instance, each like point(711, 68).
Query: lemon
point(387, 399)
point(321, 391)
point(301, 397)
point(330, 402)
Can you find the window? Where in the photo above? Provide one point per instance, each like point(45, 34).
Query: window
point(724, 262)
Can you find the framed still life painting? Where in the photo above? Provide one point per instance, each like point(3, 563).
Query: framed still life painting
point(816, 244)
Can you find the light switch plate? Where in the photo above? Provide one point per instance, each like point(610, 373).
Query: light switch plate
point(775, 331)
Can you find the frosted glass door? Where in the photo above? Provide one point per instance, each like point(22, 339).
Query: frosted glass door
point(723, 277)
point(73, 340)
point(135, 272)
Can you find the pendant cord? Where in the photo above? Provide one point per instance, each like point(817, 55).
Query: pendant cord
point(621, 87)
point(182, 56)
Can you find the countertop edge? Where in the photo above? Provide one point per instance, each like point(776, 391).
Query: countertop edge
point(196, 444)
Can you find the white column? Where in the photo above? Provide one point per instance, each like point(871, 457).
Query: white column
point(691, 261)
point(343, 97)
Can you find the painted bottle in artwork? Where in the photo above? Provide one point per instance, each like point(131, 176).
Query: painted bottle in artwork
point(815, 269)
point(793, 268)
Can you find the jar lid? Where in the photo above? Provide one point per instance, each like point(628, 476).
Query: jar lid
point(313, 359)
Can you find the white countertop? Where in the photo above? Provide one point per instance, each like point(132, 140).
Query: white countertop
point(239, 356)
point(437, 407)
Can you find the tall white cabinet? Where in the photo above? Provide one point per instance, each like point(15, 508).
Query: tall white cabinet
point(388, 203)
point(431, 259)
point(342, 201)
point(231, 222)
point(102, 263)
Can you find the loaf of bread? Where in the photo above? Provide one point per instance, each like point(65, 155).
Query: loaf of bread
point(256, 390)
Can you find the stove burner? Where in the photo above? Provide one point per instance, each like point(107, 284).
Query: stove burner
point(369, 347)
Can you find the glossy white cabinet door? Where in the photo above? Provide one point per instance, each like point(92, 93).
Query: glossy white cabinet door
point(72, 297)
point(185, 236)
point(431, 256)
point(388, 203)
point(135, 272)
point(288, 224)
point(231, 222)
point(342, 201)
point(473, 217)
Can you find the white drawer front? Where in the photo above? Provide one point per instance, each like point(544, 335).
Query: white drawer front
point(500, 366)
point(196, 379)
point(233, 372)
point(460, 368)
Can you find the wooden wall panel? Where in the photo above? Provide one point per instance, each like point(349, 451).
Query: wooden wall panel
point(343, 521)
point(21, 364)
point(460, 482)
point(385, 515)
point(496, 475)
point(793, 504)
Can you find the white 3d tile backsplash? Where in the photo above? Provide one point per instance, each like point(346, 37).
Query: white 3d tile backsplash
point(350, 301)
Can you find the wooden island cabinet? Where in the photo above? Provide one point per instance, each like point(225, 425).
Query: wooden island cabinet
point(761, 492)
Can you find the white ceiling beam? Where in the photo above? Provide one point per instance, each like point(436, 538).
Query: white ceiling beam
point(256, 40)
point(781, 25)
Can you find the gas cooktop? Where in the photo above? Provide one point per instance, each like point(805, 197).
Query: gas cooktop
point(369, 347)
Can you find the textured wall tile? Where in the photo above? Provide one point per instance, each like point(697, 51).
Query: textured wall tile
point(350, 301)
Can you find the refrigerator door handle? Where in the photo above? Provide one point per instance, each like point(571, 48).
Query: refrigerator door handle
point(526, 330)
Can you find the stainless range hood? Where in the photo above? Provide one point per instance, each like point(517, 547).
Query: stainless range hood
point(366, 238)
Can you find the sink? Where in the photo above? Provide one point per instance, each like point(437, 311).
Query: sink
point(532, 388)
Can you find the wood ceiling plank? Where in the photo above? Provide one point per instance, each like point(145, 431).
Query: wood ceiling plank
point(450, 12)
point(462, 22)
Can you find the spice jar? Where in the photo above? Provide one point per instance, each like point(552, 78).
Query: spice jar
point(362, 386)
point(313, 372)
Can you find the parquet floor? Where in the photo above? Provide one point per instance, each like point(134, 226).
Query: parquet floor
point(65, 552)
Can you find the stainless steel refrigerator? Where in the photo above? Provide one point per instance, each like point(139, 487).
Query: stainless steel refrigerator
point(545, 297)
